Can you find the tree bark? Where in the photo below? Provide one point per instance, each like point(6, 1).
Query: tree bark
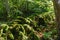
point(57, 14)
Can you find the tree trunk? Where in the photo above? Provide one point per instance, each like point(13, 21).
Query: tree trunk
point(57, 13)
point(6, 4)
point(7, 9)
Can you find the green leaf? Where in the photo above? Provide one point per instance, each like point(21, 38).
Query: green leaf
point(11, 36)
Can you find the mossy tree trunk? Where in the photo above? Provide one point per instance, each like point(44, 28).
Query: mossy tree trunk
point(7, 9)
point(6, 4)
point(57, 13)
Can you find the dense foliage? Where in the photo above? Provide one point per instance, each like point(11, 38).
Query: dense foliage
point(27, 20)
